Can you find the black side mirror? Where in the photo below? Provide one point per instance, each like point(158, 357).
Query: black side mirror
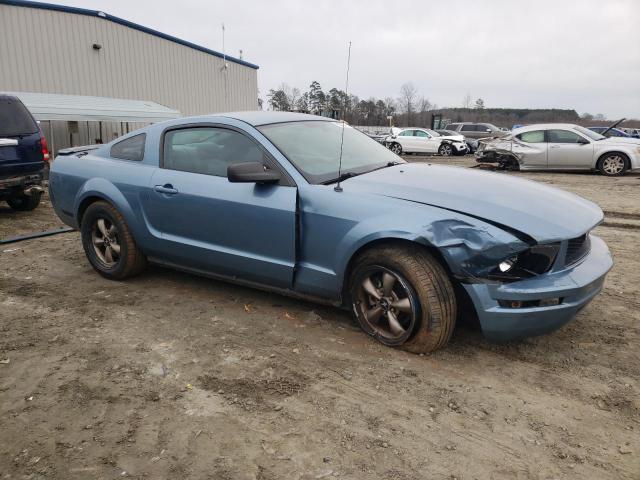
point(251, 172)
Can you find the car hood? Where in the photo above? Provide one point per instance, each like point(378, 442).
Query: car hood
point(453, 138)
point(543, 213)
point(619, 141)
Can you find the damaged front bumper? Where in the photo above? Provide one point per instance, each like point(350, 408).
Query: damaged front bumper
point(543, 303)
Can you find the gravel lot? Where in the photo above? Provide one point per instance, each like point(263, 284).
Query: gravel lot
point(171, 376)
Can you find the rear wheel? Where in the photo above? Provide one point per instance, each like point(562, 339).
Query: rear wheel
point(25, 203)
point(613, 164)
point(109, 244)
point(396, 148)
point(403, 297)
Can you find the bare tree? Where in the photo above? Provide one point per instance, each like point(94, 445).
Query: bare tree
point(423, 105)
point(408, 94)
point(467, 101)
point(479, 104)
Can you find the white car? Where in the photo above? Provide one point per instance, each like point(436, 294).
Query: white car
point(561, 146)
point(423, 140)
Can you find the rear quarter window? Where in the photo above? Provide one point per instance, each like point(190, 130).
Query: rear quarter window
point(536, 136)
point(131, 148)
point(469, 128)
point(15, 119)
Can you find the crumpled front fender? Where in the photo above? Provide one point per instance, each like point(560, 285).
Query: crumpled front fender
point(470, 247)
point(471, 250)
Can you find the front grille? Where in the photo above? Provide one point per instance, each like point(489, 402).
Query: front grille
point(577, 249)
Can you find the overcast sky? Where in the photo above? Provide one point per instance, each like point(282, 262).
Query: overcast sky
point(581, 54)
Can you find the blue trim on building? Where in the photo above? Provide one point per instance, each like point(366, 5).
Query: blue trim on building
point(126, 23)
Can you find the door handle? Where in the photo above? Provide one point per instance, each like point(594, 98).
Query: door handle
point(554, 146)
point(167, 189)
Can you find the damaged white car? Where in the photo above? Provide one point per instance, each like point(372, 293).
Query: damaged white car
point(561, 146)
point(423, 140)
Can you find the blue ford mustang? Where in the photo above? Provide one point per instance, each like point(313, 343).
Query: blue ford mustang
point(256, 198)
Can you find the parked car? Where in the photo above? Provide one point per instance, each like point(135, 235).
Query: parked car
point(477, 130)
point(260, 199)
point(633, 132)
point(23, 154)
point(472, 144)
point(561, 146)
point(609, 132)
point(422, 140)
point(378, 137)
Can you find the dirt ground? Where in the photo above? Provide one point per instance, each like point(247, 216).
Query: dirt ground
point(172, 376)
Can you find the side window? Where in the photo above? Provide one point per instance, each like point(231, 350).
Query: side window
point(406, 133)
point(208, 150)
point(563, 136)
point(131, 148)
point(537, 136)
point(420, 133)
point(468, 128)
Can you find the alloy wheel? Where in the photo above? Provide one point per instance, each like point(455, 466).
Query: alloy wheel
point(396, 148)
point(386, 304)
point(446, 150)
point(613, 164)
point(106, 244)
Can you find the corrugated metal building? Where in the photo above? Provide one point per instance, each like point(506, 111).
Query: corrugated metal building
point(49, 48)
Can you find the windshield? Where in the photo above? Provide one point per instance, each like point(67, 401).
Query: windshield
point(589, 133)
point(432, 132)
point(313, 147)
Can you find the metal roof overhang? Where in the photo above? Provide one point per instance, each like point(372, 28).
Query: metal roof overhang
point(53, 106)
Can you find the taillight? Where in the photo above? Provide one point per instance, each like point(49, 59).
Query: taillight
point(45, 150)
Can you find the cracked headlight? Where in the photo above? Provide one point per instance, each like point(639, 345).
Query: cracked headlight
point(535, 261)
point(507, 265)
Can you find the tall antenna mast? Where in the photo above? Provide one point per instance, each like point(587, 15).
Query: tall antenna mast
point(225, 65)
point(224, 54)
point(338, 188)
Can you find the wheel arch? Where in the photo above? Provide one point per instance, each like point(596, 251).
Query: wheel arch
point(100, 189)
point(389, 241)
point(84, 204)
point(625, 155)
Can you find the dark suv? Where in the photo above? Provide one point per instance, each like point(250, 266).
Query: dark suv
point(23, 153)
point(476, 130)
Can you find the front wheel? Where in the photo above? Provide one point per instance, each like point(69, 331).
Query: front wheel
point(403, 297)
point(445, 150)
point(613, 164)
point(109, 244)
point(25, 203)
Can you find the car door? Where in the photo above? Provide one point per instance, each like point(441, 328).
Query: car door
point(425, 143)
point(532, 148)
point(470, 131)
point(567, 149)
point(241, 230)
point(407, 141)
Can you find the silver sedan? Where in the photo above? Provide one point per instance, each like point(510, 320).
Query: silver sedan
point(561, 146)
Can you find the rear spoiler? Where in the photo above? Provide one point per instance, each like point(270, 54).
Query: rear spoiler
point(76, 150)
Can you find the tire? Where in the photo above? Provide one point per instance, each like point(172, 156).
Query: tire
point(103, 228)
point(613, 164)
point(421, 300)
point(25, 203)
point(445, 150)
point(396, 148)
